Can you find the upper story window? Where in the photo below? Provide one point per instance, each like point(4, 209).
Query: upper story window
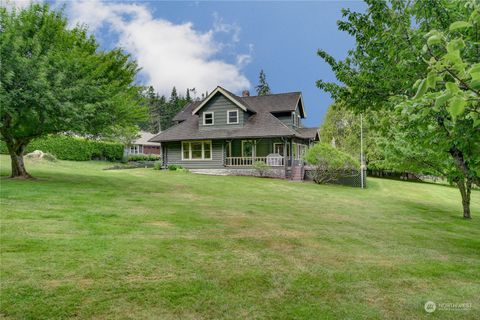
point(298, 121)
point(232, 116)
point(294, 119)
point(208, 118)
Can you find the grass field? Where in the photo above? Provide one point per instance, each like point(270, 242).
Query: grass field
point(81, 242)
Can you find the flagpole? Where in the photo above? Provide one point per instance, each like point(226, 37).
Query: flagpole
point(361, 152)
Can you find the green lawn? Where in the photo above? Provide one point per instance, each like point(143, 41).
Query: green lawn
point(81, 242)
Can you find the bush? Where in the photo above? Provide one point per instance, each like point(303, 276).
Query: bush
point(157, 165)
point(329, 163)
point(174, 167)
point(261, 168)
point(73, 148)
point(143, 157)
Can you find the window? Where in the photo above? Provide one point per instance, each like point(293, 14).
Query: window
point(208, 118)
point(293, 118)
point(197, 150)
point(298, 121)
point(247, 148)
point(232, 116)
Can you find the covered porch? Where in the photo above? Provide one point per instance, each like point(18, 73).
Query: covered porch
point(274, 152)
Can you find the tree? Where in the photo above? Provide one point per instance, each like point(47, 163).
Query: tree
point(55, 79)
point(329, 163)
point(155, 105)
point(446, 107)
point(341, 128)
point(381, 73)
point(262, 88)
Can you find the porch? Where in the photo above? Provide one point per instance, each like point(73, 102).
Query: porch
point(272, 152)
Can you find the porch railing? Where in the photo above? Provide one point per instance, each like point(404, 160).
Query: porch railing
point(249, 161)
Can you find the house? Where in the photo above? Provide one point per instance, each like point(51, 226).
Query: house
point(228, 134)
point(142, 145)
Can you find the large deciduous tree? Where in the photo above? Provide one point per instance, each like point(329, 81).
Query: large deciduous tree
point(55, 79)
point(431, 124)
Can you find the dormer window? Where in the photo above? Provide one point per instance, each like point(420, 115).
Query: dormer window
point(232, 116)
point(293, 118)
point(208, 118)
point(298, 120)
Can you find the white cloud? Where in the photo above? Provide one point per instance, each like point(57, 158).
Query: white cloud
point(19, 4)
point(169, 54)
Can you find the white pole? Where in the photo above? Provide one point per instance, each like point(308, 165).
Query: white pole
point(361, 151)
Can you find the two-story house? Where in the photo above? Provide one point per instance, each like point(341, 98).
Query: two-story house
point(228, 132)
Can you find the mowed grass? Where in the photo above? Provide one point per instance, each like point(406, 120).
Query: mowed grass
point(82, 242)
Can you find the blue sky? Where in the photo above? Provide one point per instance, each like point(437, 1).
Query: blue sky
point(201, 44)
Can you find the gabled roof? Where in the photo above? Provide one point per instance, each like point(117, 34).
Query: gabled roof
point(274, 103)
point(308, 133)
point(262, 122)
point(227, 94)
point(144, 139)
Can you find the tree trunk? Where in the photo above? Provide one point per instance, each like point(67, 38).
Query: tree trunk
point(465, 187)
point(16, 151)
point(464, 184)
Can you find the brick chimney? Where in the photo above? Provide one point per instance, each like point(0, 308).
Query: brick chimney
point(245, 93)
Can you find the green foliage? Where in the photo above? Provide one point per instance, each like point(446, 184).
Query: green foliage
point(329, 163)
point(143, 157)
point(55, 79)
point(161, 111)
point(72, 148)
point(261, 168)
point(157, 165)
point(262, 88)
point(174, 167)
point(428, 124)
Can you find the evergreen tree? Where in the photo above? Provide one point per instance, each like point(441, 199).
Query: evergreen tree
point(263, 88)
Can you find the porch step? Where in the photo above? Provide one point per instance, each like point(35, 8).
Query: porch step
point(298, 173)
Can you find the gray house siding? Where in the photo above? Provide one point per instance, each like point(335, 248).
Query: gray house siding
point(287, 119)
point(172, 152)
point(174, 156)
point(219, 105)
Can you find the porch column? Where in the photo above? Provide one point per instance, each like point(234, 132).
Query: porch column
point(285, 161)
point(291, 152)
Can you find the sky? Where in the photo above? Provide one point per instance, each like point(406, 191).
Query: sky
point(202, 44)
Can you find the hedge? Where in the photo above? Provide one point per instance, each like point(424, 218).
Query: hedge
point(72, 148)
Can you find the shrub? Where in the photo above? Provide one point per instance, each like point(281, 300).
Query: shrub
point(174, 167)
point(143, 157)
point(261, 168)
point(73, 148)
point(329, 163)
point(157, 165)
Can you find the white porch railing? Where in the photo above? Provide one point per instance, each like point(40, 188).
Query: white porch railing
point(249, 161)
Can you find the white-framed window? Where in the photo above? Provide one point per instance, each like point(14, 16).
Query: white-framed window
point(247, 148)
point(232, 116)
point(298, 120)
point(208, 118)
point(293, 118)
point(197, 150)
